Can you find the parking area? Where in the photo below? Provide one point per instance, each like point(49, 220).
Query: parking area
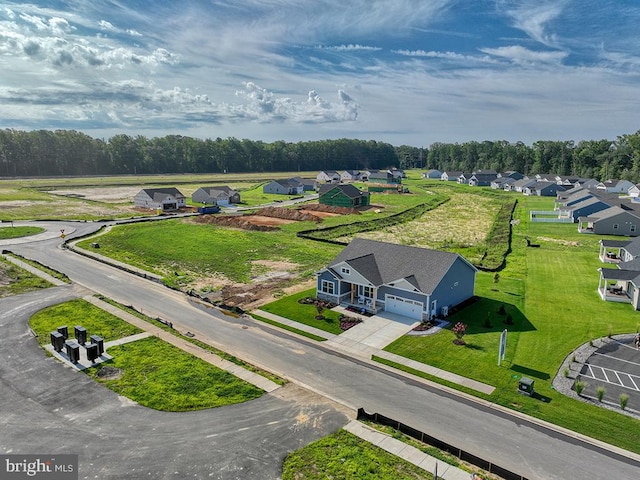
point(616, 368)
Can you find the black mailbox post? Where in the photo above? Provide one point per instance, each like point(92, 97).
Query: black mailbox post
point(98, 340)
point(64, 331)
point(57, 341)
point(73, 351)
point(92, 352)
point(81, 334)
point(525, 386)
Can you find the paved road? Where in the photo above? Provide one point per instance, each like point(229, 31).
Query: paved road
point(514, 443)
point(48, 408)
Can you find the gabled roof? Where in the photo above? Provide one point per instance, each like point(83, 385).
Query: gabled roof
point(633, 247)
point(219, 188)
point(330, 173)
point(348, 189)
point(152, 192)
point(524, 182)
point(484, 177)
point(384, 263)
point(485, 172)
point(288, 183)
point(353, 173)
point(451, 173)
point(305, 181)
point(615, 274)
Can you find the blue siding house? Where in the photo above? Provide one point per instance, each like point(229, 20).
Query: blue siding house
point(414, 282)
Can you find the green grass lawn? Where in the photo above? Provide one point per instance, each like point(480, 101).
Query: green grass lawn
point(17, 232)
point(551, 293)
point(343, 455)
point(163, 377)
point(14, 280)
point(80, 312)
point(288, 307)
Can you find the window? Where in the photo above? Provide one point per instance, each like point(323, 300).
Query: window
point(632, 228)
point(615, 226)
point(367, 292)
point(327, 287)
point(345, 270)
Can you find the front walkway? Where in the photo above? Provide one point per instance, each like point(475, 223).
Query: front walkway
point(369, 341)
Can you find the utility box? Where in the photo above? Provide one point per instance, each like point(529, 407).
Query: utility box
point(57, 341)
point(73, 351)
point(99, 341)
point(92, 352)
point(64, 331)
point(81, 334)
point(525, 386)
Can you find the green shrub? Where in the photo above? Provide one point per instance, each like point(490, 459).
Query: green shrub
point(624, 399)
point(600, 393)
point(578, 386)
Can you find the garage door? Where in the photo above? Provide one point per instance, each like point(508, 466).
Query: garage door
point(404, 307)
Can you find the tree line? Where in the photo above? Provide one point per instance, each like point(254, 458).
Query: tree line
point(69, 152)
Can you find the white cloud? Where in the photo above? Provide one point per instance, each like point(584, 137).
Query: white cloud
point(533, 17)
point(523, 55)
point(351, 48)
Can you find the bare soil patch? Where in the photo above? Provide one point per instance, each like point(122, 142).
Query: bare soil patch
point(560, 241)
point(101, 194)
point(321, 208)
point(109, 373)
point(288, 214)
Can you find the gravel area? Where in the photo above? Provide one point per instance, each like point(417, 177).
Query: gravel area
point(564, 384)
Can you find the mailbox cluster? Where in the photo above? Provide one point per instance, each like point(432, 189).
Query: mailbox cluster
point(60, 340)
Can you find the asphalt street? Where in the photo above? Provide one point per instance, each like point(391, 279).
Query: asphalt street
point(49, 408)
point(515, 443)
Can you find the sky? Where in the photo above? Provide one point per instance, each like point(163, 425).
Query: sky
point(406, 72)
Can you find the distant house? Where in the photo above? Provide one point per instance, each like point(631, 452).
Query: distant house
point(523, 183)
point(611, 221)
point(502, 183)
point(308, 184)
point(364, 174)
point(384, 176)
point(634, 191)
point(615, 186)
point(165, 199)
point(344, 195)
point(398, 173)
point(450, 176)
point(409, 281)
point(512, 174)
point(328, 176)
point(567, 180)
point(217, 195)
point(284, 187)
point(587, 207)
point(463, 178)
point(482, 179)
point(543, 189)
point(350, 176)
point(432, 174)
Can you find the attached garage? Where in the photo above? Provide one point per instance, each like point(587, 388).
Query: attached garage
point(404, 307)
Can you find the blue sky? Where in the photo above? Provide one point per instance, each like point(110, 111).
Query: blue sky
point(401, 71)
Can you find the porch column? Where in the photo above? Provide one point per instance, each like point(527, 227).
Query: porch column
point(373, 300)
point(352, 293)
point(601, 250)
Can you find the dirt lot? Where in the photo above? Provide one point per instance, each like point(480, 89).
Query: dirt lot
point(101, 194)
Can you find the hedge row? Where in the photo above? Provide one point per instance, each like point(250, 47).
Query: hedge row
point(331, 233)
point(498, 244)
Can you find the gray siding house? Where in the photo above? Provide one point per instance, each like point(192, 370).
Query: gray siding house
point(284, 187)
point(413, 282)
point(622, 284)
point(218, 195)
point(611, 221)
point(165, 199)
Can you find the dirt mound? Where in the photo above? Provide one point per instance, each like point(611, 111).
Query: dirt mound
point(236, 221)
point(319, 207)
point(288, 214)
point(109, 373)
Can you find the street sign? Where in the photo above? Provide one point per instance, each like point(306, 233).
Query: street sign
point(503, 346)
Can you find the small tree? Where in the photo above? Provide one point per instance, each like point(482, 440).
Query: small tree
point(624, 399)
point(600, 393)
point(579, 386)
point(459, 329)
point(496, 278)
point(320, 309)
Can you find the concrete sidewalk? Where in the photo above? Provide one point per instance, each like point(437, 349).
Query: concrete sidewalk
point(240, 372)
point(406, 452)
point(379, 333)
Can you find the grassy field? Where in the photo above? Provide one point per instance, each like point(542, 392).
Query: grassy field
point(342, 455)
point(83, 313)
point(17, 232)
point(154, 373)
point(163, 377)
point(14, 280)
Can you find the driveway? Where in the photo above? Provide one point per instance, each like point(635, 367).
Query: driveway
point(48, 408)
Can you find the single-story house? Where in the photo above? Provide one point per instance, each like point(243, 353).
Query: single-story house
point(344, 195)
point(165, 199)
point(611, 221)
point(450, 176)
point(218, 195)
point(523, 183)
point(350, 176)
point(284, 187)
point(615, 186)
point(502, 183)
point(482, 179)
point(418, 283)
point(543, 189)
point(587, 207)
point(384, 176)
point(433, 174)
point(308, 184)
point(328, 176)
point(513, 174)
point(463, 178)
point(398, 173)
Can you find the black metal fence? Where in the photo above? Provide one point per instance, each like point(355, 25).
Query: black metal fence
point(426, 438)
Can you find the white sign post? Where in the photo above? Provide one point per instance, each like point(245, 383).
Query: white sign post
point(503, 346)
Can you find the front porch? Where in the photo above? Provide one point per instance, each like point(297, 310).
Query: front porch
point(610, 250)
point(616, 285)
